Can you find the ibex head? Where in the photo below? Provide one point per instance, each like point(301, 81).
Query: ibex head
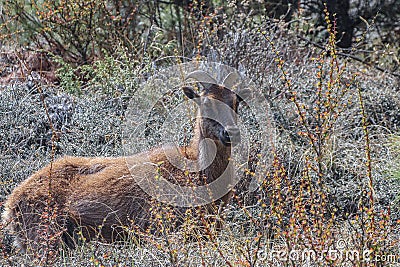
point(218, 106)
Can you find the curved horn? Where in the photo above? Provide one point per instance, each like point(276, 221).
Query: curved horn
point(232, 80)
point(202, 77)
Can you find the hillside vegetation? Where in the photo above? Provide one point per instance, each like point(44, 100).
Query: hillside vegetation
point(321, 183)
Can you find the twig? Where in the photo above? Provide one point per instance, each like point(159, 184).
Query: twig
point(349, 56)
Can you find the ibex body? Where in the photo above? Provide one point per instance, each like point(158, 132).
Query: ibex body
point(101, 196)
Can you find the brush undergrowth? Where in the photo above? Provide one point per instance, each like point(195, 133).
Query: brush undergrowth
point(325, 195)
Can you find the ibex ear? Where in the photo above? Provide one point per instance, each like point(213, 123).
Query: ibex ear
point(243, 94)
point(191, 94)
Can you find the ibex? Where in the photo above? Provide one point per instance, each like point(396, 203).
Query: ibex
point(104, 195)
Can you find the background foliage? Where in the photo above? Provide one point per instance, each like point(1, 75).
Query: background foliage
point(329, 72)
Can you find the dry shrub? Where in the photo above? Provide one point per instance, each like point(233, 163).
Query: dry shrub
point(328, 179)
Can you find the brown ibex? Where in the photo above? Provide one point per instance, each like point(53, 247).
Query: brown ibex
point(102, 195)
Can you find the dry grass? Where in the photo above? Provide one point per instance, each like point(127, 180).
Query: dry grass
point(322, 186)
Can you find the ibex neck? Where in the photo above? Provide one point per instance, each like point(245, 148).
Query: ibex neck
point(213, 158)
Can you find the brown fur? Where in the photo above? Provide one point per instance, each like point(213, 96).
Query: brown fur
point(93, 192)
